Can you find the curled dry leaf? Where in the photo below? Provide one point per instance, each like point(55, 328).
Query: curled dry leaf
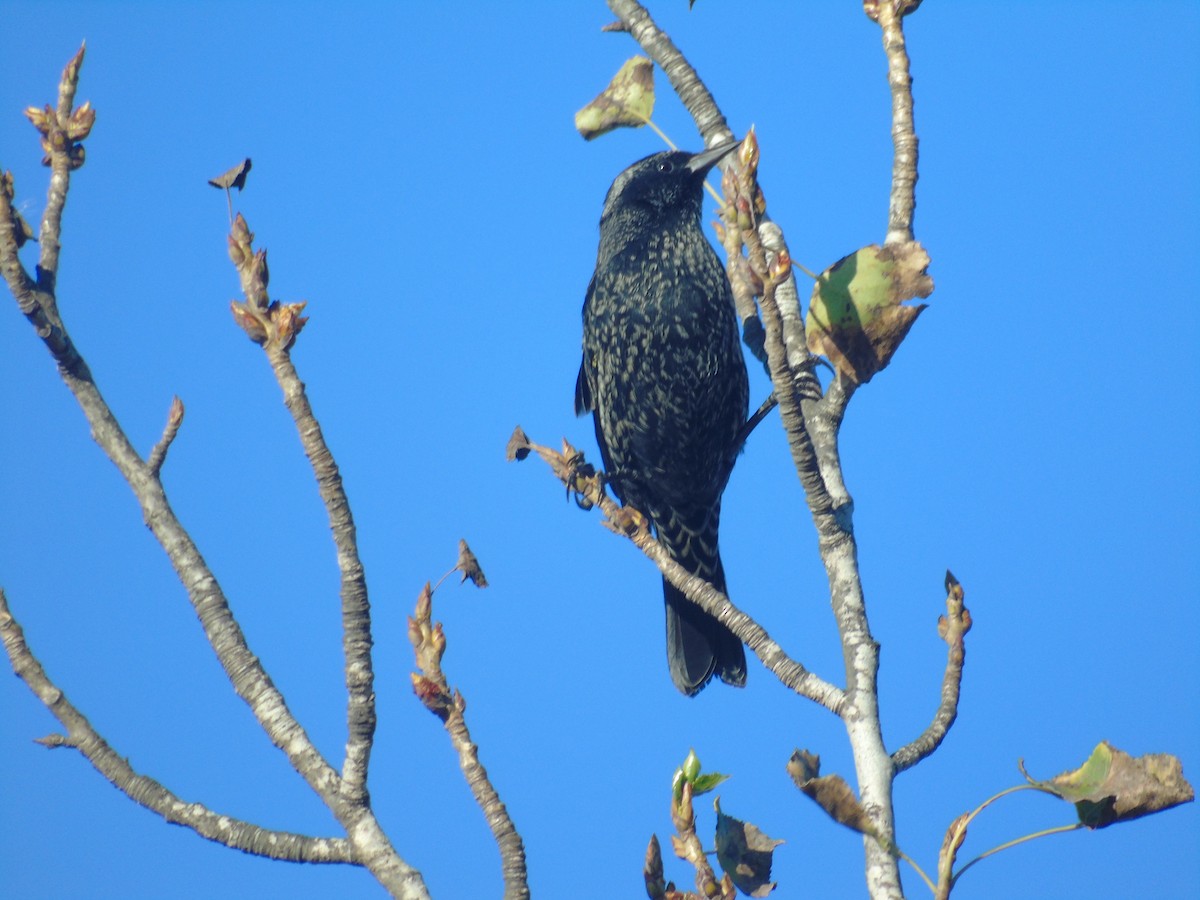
point(234, 177)
point(628, 101)
point(1113, 786)
point(745, 853)
point(831, 792)
point(951, 843)
point(518, 445)
point(856, 318)
point(469, 566)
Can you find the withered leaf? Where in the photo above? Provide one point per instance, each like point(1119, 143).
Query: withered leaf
point(518, 445)
point(951, 843)
point(1112, 786)
point(234, 178)
point(469, 566)
point(628, 101)
point(831, 792)
point(745, 853)
point(856, 318)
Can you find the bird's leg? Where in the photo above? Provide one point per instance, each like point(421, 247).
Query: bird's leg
point(759, 414)
point(579, 471)
point(807, 385)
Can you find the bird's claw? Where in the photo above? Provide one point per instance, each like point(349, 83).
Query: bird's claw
point(579, 474)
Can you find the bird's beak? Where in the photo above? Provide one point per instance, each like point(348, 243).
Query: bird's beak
point(702, 162)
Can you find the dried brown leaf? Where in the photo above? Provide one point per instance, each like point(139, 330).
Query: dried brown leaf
point(518, 445)
point(745, 853)
point(233, 178)
point(831, 792)
point(469, 566)
point(1112, 786)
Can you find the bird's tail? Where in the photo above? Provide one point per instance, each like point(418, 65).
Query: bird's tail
point(698, 646)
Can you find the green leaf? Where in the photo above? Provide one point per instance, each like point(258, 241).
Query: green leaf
point(702, 784)
point(856, 318)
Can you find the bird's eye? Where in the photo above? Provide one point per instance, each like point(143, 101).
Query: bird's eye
point(666, 166)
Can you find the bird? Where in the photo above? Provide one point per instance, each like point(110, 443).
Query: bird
point(664, 378)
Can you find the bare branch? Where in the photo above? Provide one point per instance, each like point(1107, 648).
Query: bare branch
point(145, 791)
point(279, 325)
point(687, 84)
point(433, 690)
point(570, 468)
point(903, 201)
point(686, 844)
point(36, 304)
point(952, 627)
point(276, 326)
point(61, 127)
point(159, 454)
point(356, 609)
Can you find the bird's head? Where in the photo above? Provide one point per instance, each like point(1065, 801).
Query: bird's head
point(663, 184)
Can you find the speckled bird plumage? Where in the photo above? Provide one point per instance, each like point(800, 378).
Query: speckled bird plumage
point(664, 377)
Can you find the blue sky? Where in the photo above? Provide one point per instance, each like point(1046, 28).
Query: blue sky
point(417, 179)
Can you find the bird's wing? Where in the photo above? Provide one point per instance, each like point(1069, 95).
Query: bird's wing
point(584, 398)
point(583, 391)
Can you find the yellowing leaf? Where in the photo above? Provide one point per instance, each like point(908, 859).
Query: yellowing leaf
point(856, 318)
point(627, 101)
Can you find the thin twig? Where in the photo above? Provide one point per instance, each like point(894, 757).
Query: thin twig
point(952, 627)
point(244, 670)
point(61, 166)
point(686, 844)
point(903, 199)
point(222, 829)
point(356, 608)
point(570, 468)
point(159, 454)
point(684, 80)
point(1057, 829)
point(433, 690)
point(276, 327)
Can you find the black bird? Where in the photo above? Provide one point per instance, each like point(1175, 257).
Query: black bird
point(665, 380)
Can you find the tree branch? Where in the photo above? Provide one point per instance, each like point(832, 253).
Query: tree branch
point(570, 468)
point(952, 628)
point(903, 200)
point(356, 609)
point(276, 326)
point(833, 524)
point(433, 690)
point(63, 156)
point(145, 791)
point(159, 454)
point(244, 670)
point(686, 83)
